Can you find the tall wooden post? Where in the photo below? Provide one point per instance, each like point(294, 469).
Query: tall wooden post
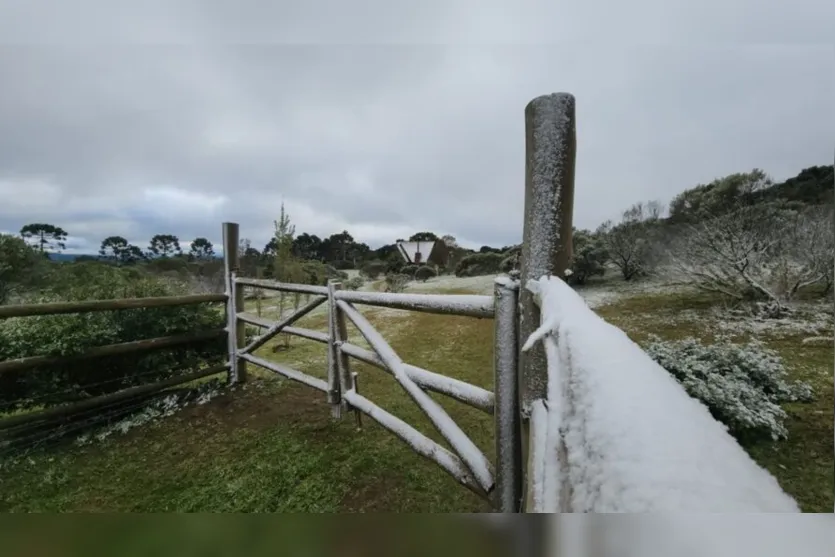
point(550, 152)
point(236, 330)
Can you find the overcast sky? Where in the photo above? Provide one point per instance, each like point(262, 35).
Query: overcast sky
point(172, 117)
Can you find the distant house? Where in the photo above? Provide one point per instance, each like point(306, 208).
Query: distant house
point(433, 252)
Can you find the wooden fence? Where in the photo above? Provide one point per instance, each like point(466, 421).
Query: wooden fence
point(519, 379)
point(32, 363)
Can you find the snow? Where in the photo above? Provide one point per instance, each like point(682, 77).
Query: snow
point(634, 441)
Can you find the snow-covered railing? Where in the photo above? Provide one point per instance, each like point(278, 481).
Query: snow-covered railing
point(617, 433)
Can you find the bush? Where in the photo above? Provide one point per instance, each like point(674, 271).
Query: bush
point(394, 264)
point(355, 283)
point(332, 273)
point(410, 270)
point(396, 282)
point(318, 273)
point(589, 257)
point(71, 334)
point(21, 267)
point(742, 385)
point(509, 263)
point(479, 264)
point(373, 269)
point(343, 265)
point(425, 273)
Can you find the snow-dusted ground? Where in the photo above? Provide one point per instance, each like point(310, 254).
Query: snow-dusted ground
point(812, 319)
point(597, 295)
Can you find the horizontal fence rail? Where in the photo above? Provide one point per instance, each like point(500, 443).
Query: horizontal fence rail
point(288, 372)
point(58, 308)
point(104, 400)
point(467, 305)
point(132, 347)
point(283, 286)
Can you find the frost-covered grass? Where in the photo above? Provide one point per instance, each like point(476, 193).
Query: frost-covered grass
point(272, 447)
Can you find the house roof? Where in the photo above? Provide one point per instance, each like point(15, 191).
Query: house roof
point(409, 249)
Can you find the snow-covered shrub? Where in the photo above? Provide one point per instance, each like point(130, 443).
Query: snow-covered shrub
point(425, 273)
point(479, 264)
point(355, 283)
point(396, 282)
point(373, 269)
point(742, 385)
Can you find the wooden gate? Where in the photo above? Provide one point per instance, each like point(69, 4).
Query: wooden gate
point(546, 250)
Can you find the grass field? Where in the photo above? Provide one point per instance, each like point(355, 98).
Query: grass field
point(271, 446)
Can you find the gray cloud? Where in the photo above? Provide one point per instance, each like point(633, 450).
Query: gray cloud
point(105, 130)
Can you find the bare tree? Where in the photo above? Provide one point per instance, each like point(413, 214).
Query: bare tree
point(756, 252)
point(632, 244)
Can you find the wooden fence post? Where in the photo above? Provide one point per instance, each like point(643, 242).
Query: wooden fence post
point(334, 383)
point(236, 330)
point(508, 493)
point(550, 152)
point(344, 377)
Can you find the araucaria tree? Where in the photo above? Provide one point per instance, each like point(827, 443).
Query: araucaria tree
point(44, 237)
point(117, 249)
point(164, 245)
point(201, 248)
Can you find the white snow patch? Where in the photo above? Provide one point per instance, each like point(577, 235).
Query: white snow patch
point(634, 440)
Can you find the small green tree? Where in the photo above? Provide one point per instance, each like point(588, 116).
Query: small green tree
point(589, 256)
point(286, 267)
point(46, 237)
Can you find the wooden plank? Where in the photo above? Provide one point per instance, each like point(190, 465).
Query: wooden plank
point(112, 350)
point(283, 286)
point(288, 372)
point(105, 400)
point(466, 305)
point(57, 308)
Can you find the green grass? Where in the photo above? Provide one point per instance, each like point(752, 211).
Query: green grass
point(273, 447)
